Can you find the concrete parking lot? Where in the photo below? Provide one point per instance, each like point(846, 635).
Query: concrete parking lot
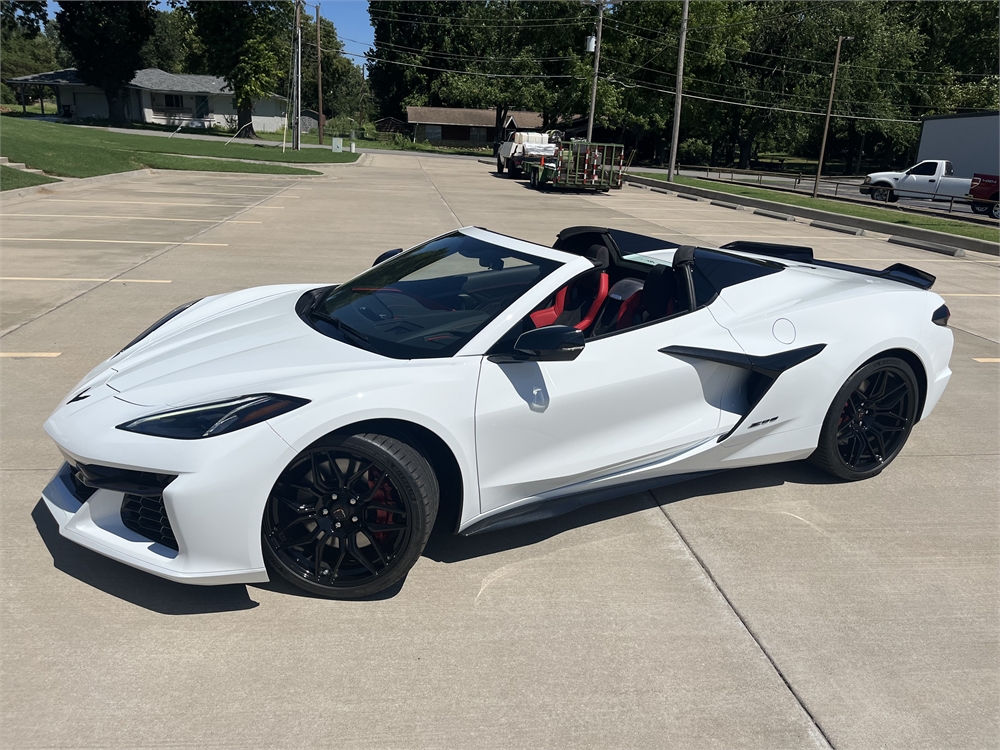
point(761, 608)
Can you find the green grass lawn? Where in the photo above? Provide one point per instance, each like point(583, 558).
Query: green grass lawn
point(74, 151)
point(842, 207)
point(15, 179)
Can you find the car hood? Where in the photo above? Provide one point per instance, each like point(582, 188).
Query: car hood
point(231, 345)
point(884, 176)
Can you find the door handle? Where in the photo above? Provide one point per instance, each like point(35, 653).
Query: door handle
point(930, 180)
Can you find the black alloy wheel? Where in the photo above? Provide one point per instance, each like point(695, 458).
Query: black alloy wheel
point(350, 515)
point(869, 420)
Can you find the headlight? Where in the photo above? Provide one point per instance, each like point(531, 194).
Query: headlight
point(169, 316)
point(206, 420)
point(867, 181)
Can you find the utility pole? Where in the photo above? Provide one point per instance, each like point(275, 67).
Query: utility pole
point(597, 67)
point(297, 78)
point(678, 95)
point(829, 110)
point(319, 76)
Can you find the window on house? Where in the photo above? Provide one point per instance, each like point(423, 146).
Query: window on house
point(173, 101)
point(478, 135)
point(432, 132)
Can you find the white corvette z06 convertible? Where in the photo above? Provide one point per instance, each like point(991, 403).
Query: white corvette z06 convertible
point(485, 380)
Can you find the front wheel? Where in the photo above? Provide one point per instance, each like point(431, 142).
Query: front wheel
point(869, 420)
point(881, 194)
point(350, 515)
point(981, 208)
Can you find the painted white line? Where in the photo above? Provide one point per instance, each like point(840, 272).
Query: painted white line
point(135, 218)
point(112, 242)
point(986, 359)
point(160, 203)
point(30, 354)
point(46, 278)
point(970, 295)
point(220, 195)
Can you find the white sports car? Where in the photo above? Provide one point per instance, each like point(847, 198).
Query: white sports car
point(485, 381)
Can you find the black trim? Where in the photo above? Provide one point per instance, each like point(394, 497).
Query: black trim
point(141, 483)
point(798, 253)
point(900, 272)
point(764, 369)
point(557, 506)
point(147, 516)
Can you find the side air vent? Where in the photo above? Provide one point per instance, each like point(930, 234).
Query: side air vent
point(146, 515)
point(122, 480)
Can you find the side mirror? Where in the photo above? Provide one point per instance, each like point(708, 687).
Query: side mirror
point(549, 344)
point(386, 255)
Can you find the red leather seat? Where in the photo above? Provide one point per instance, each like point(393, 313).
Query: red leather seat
point(578, 303)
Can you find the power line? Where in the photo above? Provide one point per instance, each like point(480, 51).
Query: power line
point(457, 72)
point(475, 22)
point(701, 97)
point(451, 55)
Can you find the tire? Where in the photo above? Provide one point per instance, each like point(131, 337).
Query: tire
point(499, 166)
point(869, 420)
point(533, 179)
point(881, 194)
point(350, 515)
point(981, 208)
point(995, 207)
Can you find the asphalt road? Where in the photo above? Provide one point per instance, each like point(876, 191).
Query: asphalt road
point(761, 608)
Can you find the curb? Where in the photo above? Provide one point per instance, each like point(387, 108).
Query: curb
point(955, 252)
point(773, 214)
point(852, 223)
point(838, 228)
point(724, 204)
point(9, 197)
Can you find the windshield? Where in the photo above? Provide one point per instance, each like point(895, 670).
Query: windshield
point(429, 301)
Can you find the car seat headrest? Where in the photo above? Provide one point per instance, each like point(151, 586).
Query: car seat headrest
point(598, 255)
point(659, 290)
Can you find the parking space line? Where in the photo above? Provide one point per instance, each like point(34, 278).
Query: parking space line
point(30, 354)
point(112, 242)
point(986, 359)
point(968, 295)
point(46, 278)
point(135, 218)
point(220, 195)
point(160, 203)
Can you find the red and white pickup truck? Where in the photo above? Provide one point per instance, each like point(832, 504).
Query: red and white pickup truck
point(934, 180)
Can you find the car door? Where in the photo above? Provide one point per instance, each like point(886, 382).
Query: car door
point(919, 181)
point(619, 408)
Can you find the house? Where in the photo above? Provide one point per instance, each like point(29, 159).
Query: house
point(155, 96)
point(456, 126)
point(390, 125)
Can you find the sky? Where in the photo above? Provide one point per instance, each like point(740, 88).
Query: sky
point(351, 19)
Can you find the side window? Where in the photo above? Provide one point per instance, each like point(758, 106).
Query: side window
point(924, 169)
point(949, 170)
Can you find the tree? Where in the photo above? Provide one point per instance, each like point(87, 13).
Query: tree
point(246, 43)
point(106, 39)
point(173, 47)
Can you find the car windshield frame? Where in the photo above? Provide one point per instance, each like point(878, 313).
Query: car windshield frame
point(429, 301)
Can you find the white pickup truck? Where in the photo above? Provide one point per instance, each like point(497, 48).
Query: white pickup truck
point(932, 179)
point(521, 147)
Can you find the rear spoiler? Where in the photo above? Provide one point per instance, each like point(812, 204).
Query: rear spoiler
point(900, 272)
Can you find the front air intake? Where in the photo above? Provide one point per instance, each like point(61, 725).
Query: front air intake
point(146, 515)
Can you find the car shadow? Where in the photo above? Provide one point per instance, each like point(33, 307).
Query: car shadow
point(444, 546)
point(134, 586)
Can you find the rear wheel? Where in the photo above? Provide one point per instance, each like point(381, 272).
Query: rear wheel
point(869, 420)
point(533, 179)
point(981, 208)
point(995, 210)
point(351, 515)
point(499, 166)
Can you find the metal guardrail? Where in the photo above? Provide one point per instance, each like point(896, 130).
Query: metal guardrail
point(837, 184)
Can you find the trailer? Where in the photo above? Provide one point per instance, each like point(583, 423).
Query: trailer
point(580, 165)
